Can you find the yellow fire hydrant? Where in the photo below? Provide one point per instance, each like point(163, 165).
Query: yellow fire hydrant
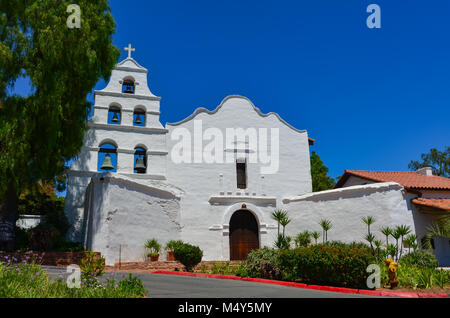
point(392, 272)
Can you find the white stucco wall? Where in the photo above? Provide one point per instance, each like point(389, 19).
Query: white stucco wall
point(125, 214)
point(345, 207)
point(209, 202)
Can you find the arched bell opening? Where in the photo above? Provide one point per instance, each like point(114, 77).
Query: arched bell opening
point(128, 85)
point(244, 234)
point(107, 158)
point(114, 115)
point(140, 160)
point(139, 117)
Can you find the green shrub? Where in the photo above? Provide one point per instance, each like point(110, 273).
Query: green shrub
point(188, 255)
point(241, 271)
point(421, 258)
point(132, 285)
point(327, 265)
point(417, 277)
point(92, 265)
point(263, 263)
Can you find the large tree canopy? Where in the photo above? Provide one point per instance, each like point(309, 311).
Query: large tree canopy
point(40, 132)
point(320, 180)
point(439, 161)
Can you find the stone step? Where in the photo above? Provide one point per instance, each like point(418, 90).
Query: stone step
point(168, 265)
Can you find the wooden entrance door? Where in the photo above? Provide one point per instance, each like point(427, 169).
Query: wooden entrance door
point(243, 234)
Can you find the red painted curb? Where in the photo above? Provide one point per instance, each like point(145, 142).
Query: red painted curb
point(369, 292)
point(305, 286)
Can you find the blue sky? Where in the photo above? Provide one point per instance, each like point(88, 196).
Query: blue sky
point(373, 99)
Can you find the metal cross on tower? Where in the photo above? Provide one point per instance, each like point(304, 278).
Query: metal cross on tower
point(129, 49)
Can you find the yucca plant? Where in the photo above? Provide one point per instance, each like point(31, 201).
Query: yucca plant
point(284, 222)
point(315, 235)
point(411, 241)
point(303, 239)
point(278, 216)
point(391, 250)
point(403, 230)
point(396, 235)
point(378, 245)
point(370, 238)
point(386, 230)
point(369, 220)
point(326, 226)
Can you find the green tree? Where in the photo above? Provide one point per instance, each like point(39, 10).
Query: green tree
point(320, 180)
point(439, 161)
point(41, 131)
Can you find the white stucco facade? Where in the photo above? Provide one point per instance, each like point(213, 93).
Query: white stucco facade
point(184, 194)
point(345, 208)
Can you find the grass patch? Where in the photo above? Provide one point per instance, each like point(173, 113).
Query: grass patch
point(19, 280)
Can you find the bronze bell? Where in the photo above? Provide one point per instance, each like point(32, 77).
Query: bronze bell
point(115, 118)
point(107, 163)
point(138, 120)
point(140, 165)
point(128, 90)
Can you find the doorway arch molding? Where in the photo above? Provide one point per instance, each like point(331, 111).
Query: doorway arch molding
point(257, 213)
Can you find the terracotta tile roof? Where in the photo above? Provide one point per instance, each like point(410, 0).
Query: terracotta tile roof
point(408, 179)
point(443, 204)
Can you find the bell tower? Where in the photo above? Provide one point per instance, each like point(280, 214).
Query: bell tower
point(125, 135)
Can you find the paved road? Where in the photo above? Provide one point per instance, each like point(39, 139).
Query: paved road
point(174, 286)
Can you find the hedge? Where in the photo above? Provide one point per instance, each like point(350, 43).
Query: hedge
point(341, 266)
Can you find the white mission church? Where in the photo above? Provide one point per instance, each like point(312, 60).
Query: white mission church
point(214, 179)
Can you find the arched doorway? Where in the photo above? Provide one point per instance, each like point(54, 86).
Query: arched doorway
point(243, 234)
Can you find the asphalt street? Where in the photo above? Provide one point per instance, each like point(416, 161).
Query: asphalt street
point(175, 286)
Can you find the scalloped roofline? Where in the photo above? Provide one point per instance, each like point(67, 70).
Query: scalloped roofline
point(212, 112)
point(120, 67)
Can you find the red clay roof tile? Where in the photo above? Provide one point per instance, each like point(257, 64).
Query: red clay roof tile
point(408, 179)
point(443, 204)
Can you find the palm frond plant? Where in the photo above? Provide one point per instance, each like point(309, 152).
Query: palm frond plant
point(278, 215)
point(303, 239)
point(369, 220)
point(439, 228)
point(403, 230)
point(284, 222)
point(378, 244)
point(315, 235)
point(370, 238)
point(153, 246)
point(411, 241)
point(387, 231)
point(283, 242)
point(391, 250)
point(326, 226)
point(396, 234)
